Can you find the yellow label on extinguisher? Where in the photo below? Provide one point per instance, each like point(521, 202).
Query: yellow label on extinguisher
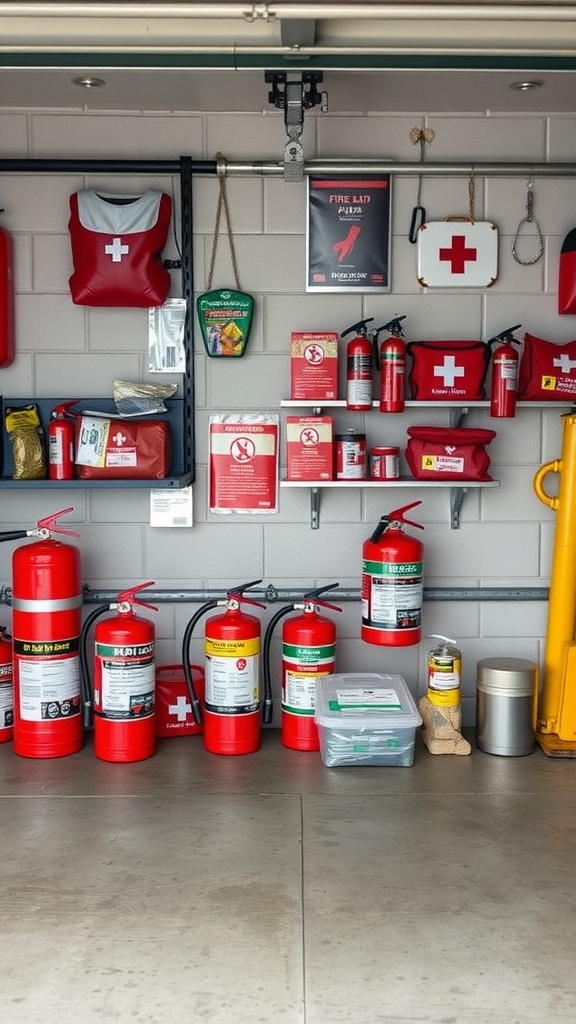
point(232, 648)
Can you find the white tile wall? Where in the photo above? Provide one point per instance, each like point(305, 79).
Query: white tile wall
point(506, 535)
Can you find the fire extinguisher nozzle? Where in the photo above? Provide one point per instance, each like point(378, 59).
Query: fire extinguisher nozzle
point(197, 711)
point(267, 712)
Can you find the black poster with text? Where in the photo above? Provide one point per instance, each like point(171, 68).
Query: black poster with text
point(348, 233)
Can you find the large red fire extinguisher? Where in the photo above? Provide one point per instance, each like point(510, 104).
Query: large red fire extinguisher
point(390, 358)
point(358, 367)
point(61, 439)
point(6, 299)
point(308, 652)
point(232, 698)
point(504, 377)
point(392, 586)
point(124, 680)
point(46, 616)
point(6, 687)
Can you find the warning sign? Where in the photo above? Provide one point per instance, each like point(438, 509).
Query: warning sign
point(244, 463)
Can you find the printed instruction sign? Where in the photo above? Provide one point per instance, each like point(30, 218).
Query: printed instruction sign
point(244, 462)
point(348, 233)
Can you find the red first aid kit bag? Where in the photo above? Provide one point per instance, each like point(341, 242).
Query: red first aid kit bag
point(448, 453)
point(567, 274)
point(122, 449)
point(448, 369)
point(547, 370)
point(173, 707)
point(117, 247)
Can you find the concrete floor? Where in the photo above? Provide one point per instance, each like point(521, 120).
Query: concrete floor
point(267, 888)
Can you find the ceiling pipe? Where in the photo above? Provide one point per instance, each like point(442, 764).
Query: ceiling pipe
point(514, 10)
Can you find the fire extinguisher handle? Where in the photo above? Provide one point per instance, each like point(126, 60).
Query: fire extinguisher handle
point(237, 593)
point(49, 523)
point(398, 514)
point(318, 591)
point(128, 596)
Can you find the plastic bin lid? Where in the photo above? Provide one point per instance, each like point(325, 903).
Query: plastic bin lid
point(365, 698)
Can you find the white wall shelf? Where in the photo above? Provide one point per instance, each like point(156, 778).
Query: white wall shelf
point(457, 492)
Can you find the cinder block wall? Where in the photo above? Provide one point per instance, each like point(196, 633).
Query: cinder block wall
point(506, 535)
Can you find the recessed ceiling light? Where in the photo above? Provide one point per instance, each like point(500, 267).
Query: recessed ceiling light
point(527, 85)
point(87, 82)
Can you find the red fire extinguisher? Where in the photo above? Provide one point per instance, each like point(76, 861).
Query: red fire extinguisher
point(46, 614)
point(6, 299)
point(390, 358)
point(124, 680)
point(308, 652)
point(504, 378)
point(392, 582)
point(61, 437)
point(359, 367)
point(231, 713)
point(6, 687)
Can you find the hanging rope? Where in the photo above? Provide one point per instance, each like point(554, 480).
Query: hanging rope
point(222, 205)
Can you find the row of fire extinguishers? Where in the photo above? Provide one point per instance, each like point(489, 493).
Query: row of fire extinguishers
point(44, 665)
point(390, 357)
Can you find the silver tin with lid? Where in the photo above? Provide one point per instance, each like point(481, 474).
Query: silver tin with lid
point(506, 690)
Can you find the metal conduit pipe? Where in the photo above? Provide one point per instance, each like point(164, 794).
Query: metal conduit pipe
point(513, 10)
point(272, 595)
point(270, 168)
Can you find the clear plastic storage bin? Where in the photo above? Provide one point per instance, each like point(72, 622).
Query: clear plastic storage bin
point(365, 718)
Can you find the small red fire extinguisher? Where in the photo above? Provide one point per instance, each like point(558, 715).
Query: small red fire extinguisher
point(6, 687)
point(46, 616)
point(231, 714)
point(308, 652)
point(392, 585)
point(61, 436)
point(358, 367)
point(124, 680)
point(6, 299)
point(504, 378)
point(390, 358)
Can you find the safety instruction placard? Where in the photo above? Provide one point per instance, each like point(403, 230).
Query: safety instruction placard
point(244, 462)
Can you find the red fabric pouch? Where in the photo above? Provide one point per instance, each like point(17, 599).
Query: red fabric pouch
point(122, 449)
point(547, 370)
point(448, 369)
point(173, 707)
point(448, 453)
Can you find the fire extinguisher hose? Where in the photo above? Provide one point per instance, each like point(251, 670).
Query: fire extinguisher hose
point(267, 705)
point(14, 535)
point(85, 684)
point(194, 699)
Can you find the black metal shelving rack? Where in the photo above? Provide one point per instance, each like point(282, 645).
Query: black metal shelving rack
point(184, 168)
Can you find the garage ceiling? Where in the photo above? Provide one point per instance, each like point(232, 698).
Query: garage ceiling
point(403, 56)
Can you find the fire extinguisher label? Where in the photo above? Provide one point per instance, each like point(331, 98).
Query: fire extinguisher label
point(392, 595)
point(299, 690)
point(49, 689)
point(232, 676)
point(127, 682)
point(6, 699)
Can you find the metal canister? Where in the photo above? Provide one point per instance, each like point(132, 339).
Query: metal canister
point(506, 689)
point(385, 463)
point(350, 456)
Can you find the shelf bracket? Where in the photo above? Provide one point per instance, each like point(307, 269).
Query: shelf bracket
point(314, 508)
point(456, 499)
point(457, 416)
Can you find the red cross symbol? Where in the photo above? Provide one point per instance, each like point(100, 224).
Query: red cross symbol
point(458, 254)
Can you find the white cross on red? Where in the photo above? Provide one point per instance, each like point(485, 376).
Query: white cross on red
point(565, 363)
point(117, 250)
point(449, 371)
point(181, 708)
